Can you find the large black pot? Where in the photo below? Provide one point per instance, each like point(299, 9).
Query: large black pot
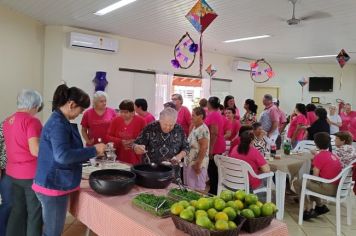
point(156, 177)
point(112, 181)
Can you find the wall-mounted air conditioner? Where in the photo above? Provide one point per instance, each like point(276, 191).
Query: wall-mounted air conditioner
point(241, 66)
point(93, 42)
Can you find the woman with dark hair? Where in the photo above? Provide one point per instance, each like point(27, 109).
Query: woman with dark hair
point(60, 157)
point(246, 152)
point(236, 141)
point(123, 131)
point(311, 116)
point(320, 125)
point(141, 110)
point(250, 115)
point(229, 101)
point(215, 123)
point(298, 120)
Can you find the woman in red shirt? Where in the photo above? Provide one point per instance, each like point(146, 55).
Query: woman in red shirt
point(184, 118)
point(299, 120)
point(233, 123)
point(246, 152)
point(123, 131)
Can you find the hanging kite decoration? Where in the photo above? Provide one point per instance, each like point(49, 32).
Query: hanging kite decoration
point(261, 71)
point(342, 58)
point(100, 81)
point(184, 52)
point(201, 16)
point(211, 70)
point(303, 81)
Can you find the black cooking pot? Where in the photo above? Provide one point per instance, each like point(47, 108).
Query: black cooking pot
point(157, 177)
point(112, 181)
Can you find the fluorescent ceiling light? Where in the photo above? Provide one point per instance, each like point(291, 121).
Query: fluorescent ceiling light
point(113, 7)
point(312, 57)
point(248, 38)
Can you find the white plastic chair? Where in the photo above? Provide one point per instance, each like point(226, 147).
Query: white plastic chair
point(305, 146)
point(343, 194)
point(233, 175)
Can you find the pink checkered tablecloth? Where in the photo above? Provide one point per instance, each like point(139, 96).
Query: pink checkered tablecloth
point(115, 216)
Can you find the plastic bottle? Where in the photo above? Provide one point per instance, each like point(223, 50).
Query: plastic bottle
point(287, 147)
point(273, 148)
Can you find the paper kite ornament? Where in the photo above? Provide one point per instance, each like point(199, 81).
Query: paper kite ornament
point(303, 82)
point(100, 81)
point(201, 16)
point(211, 70)
point(342, 58)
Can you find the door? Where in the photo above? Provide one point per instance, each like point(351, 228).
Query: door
point(260, 91)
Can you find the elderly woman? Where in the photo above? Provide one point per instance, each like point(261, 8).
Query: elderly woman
point(163, 140)
point(184, 117)
point(261, 142)
point(344, 149)
point(123, 130)
point(334, 120)
point(60, 158)
point(22, 132)
point(96, 120)
point(196, 163)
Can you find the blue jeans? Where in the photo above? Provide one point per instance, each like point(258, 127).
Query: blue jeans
point(54, 210)
point(5, 207)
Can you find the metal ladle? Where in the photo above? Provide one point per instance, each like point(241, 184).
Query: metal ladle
point(152, 164)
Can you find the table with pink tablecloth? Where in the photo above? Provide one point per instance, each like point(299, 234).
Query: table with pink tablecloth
point(115, 216)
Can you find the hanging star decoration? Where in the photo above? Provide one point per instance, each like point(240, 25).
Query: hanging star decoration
point(211, 70)
point(201, 16)
point(184, 52)
point(100, 81)
point(303, 81)
point(342, 58)
point(261, 71)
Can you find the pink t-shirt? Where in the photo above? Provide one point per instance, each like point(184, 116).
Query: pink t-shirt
point(346, 119)
point(256, 161)
point(328, 164)
point(235, 127)
point(184, 119)
point(311, 117)
point(282, 117)
point(215, 118)
point(51, 192)
point(297, 120)
point(227, 125)
point(149, 118)
point(97, 125)
point(18, 129)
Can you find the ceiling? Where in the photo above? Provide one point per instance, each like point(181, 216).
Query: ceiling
point(164, 22)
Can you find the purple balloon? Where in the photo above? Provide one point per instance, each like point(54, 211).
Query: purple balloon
point(175, 63)
point(193, 48)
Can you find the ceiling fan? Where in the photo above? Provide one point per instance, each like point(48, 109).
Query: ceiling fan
point(312, 16)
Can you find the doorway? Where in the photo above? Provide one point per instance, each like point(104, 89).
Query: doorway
point(260, 91)
point(191, 90)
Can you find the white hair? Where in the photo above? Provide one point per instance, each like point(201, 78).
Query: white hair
point(168, 113)
point(99, 94)
point(28, 99)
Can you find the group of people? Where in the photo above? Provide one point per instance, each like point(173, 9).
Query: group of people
point(41, 165)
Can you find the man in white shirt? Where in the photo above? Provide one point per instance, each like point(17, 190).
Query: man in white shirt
point(334, 120)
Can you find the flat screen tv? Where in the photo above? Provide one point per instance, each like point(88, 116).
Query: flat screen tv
point(321, 84)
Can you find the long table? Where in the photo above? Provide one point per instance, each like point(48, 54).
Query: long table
point(115, 216)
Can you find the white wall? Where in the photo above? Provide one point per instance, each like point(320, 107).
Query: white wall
point(78, 66)
point(21, 50)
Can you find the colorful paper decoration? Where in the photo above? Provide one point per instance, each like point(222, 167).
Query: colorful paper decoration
point(261, 71)
point(211, 70)
point(303, 81)
point(183, 48)
point(100, 81)
point(201, 16)
point(342, 58)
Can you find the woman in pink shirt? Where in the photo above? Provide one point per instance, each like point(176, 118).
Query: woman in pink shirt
point(215, 123)
point(22, 132)
point(96, 121)
point(141, 110)
point(295, 131)
point(311, 116)
point(233, 123)
point(229, 101)
point(123, 131)
point(346, 116)
point(184, 117)
point(246, 152)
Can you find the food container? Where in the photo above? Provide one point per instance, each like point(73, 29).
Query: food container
point(178, 195)
point(156, 177)
point(156, 208)
point(112, 181)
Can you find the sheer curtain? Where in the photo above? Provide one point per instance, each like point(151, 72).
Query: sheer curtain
point(163, 91)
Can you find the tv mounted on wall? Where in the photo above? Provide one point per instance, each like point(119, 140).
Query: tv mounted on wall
point(321, 84)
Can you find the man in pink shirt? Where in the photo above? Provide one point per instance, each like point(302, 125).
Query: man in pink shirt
point(270, 118)
point(321, 167)
point(141, 110)
point(184, 117)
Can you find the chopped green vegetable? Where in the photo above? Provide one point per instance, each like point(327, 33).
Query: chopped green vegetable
point(184, 195)
point(149, 202)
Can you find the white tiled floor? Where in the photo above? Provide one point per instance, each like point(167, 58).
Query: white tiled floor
point(323, 225)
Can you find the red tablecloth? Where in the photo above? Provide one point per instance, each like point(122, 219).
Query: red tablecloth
point(115, 216)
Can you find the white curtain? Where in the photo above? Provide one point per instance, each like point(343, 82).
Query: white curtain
point(163, 91)
point(206, 84)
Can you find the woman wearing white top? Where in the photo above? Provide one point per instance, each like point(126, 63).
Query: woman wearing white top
point(334, 120)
